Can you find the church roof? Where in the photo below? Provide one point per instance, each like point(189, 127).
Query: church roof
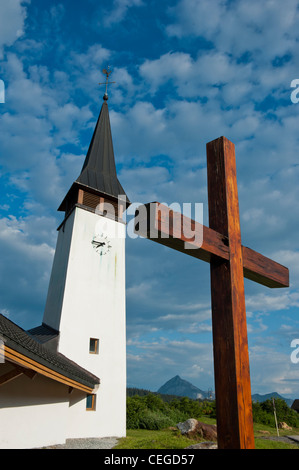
point(23, 346)
point(99, 170)
point(98, 173)
point(43, 333)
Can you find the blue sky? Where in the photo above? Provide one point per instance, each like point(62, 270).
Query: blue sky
point(186, 72)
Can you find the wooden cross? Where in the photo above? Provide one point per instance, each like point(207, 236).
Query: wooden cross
point(229, 263)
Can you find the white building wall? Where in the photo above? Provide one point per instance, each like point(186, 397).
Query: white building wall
point(33, 412)
point(93, 306)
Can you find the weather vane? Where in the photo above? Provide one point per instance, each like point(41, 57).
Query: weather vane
point(106, 72)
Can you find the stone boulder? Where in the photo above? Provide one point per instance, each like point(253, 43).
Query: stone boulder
point(283, 425)
point(187, 426)
point(197, 430)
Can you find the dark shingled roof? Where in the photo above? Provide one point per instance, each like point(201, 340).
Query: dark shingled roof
point(43, 333)
point(25, 343)
point(99, 171)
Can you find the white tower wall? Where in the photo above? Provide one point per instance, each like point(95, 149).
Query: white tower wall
point(86, 299)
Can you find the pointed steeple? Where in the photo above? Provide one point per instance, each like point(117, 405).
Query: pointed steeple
point(99, 170)
point(98, 176)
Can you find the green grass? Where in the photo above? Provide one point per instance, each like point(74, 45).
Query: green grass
point(144, 439)
point(268, 444)
point(171, 438)
point(263, 430)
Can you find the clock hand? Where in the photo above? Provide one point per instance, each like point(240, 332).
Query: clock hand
point(99, 243)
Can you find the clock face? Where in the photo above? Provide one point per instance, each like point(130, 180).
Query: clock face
point(101, 244)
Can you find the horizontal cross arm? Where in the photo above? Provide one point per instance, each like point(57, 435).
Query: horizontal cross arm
point(263, 270)
point(160, 223)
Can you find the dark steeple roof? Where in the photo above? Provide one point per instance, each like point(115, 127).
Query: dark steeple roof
point(99, 171)
point(98, 174)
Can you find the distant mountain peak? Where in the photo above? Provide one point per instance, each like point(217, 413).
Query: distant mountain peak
point(183, 388)
point(268, 396)
point(180, 387)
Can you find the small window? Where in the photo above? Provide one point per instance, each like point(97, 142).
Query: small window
point(90, 402)
point(94, 346)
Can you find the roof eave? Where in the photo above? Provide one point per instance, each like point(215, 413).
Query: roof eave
point(77, 185)
point(21, 359)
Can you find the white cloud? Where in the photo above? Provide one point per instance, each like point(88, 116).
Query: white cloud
point(276, 301)
point(220, 78)
point(36, 122)
point(119, 11)
point(193, 17)
point(192, 76)
point(28, 237)
point(267, 29)
point(27, 250)
point(89, 61)
point(172, 65)
point(170, 357)
point(137, 179)
point(272, 370)
point(194, 372)
point(12, 18)
point(289, 258)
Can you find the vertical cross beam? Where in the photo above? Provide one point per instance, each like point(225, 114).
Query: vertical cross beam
point(231, 359)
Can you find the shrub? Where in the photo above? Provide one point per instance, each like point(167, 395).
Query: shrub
point(153, 413)
point(135, 408)
point(154, 420)
point(264, 413)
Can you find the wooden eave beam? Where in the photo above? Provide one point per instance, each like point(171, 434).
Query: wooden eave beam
point(23, 361)
point(16, 372)
point(11, 375)
point(159, 223)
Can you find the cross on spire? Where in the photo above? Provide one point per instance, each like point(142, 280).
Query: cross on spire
point(106, 72)
point(98, 175)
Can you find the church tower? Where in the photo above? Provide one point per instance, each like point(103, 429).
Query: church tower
point(86, 296)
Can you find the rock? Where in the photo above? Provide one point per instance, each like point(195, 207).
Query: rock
point(283, 425)
point(198, 430)
point(187, 426)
